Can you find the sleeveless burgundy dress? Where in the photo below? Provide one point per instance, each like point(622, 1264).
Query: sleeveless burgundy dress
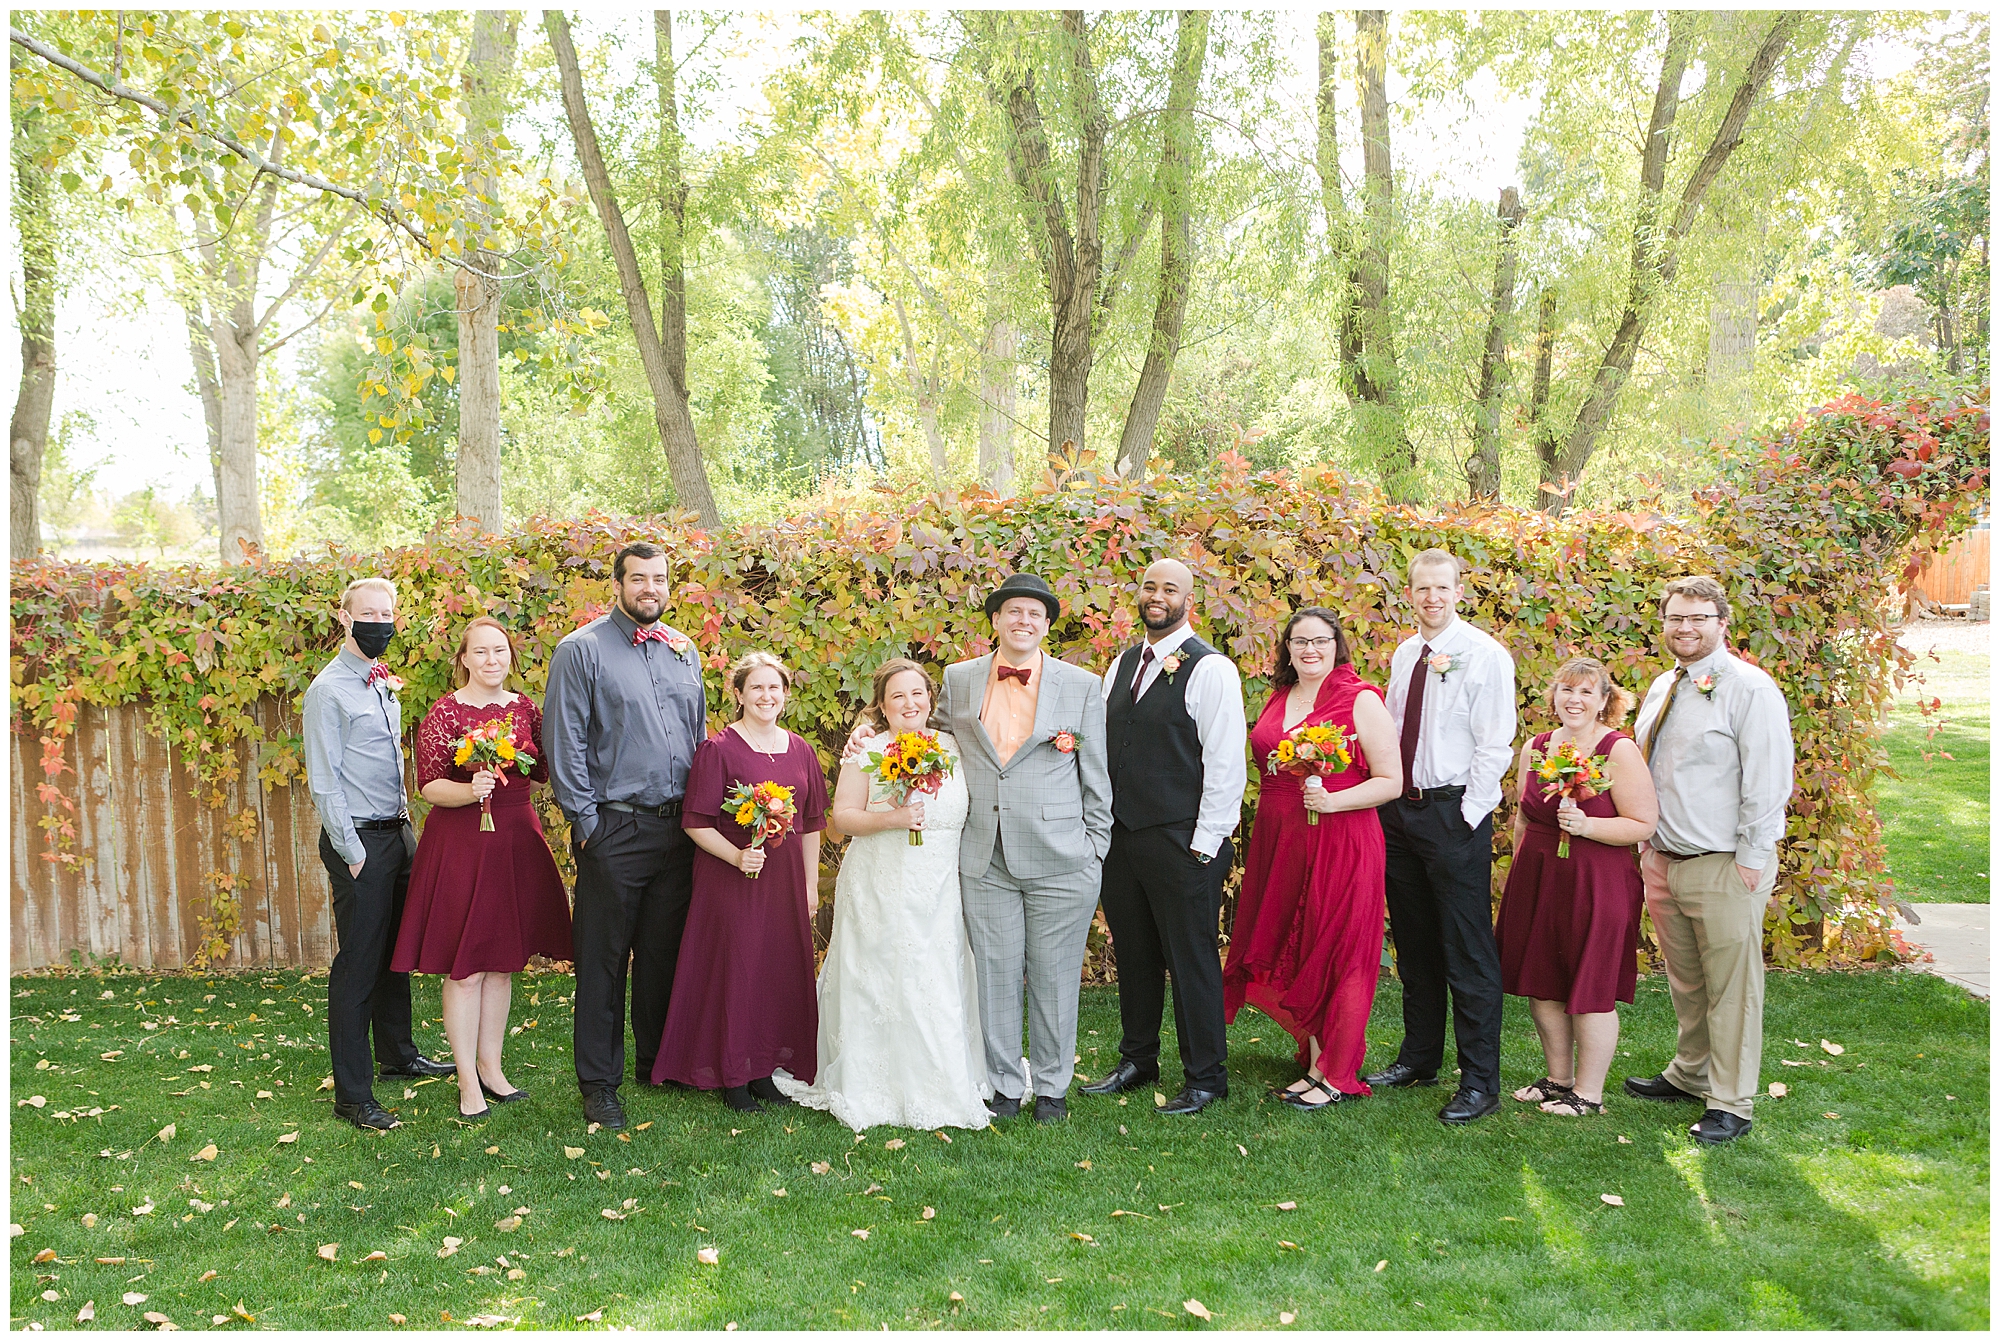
point(1569, 926)
point(1306, 948)
point(481, 901)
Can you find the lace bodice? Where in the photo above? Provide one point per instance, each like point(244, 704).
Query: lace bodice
point(449, 720)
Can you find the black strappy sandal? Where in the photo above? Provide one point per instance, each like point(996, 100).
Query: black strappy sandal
point(1571, 1104)
point(1333, 1096)
point(1545, 1090)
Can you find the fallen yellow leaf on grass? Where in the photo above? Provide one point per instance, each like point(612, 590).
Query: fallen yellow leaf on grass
point(284, 1201)
point(1382, 1265)
point(1779, 1089)
point(356, 1186)
point(820, 1166)
point(896, 1144)
point(205, 1277)
point(1083, 1164)
point(508, 1225)
point(133, 1299)
point(398, 1319)
point(1624, 1140)
point(326, 1084)
point(930, 1212)
point(859, 1233)
point(162, 1321)
point(610, 1214)
point(377, 1256)
point(1611, 1199)
point(243, 1312)
point(88, 1313)
point(1081, 1238)
point(1159, 1099)
point(288, 1138)
point(46, 1255)
point(1195, 1307)
point(956, 1298)
point(1831, 1049)
point(515, 1273)
point(1287, 1319)
point(779, 1192)
point(708, 1256)
point(1835, 1116)
point(572, 1152)
point(90, 1219)
point(329, 1251)
point(166, 1133)
point(595, 1315)
point(1288, 1205)
point(207, 1152)
point(1290, 1246)
point(450, 1247)
point(943, 1137)
point(492, 1150)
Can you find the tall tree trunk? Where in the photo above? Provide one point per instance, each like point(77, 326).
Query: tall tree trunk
point(489, 70)
point(670, 402)
point(28, 433)
point(924, 389)
point(1542, 434)
point(1482, 470)
point(237, 499)
point(1656, 253)
point(1341, 243)
point(202, 355)
point(1378, 326)
point(1172, 184)
point(670, 200)
point(998, 394)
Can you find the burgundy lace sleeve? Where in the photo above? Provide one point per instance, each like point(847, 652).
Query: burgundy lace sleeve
point(533, 730)
point(434, 738)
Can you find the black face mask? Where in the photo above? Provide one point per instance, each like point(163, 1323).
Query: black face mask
point(372, 637)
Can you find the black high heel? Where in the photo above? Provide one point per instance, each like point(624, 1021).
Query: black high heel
point(739, 1098)
point(766, 1090)
point(511, 1096)
point(480, 1116)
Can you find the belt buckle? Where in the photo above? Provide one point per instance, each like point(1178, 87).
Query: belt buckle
point(1414, 795)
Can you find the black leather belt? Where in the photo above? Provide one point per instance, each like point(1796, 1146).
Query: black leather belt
point(1692, 856)
point(667, 811)
point(1417, 796)
point(398, 822)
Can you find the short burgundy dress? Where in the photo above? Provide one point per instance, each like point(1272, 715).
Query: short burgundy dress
point(1569, 926)
point(744, 1003)
point(481, 901)
point(1306, 948)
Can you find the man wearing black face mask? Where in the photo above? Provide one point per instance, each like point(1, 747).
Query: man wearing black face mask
point(354, 765)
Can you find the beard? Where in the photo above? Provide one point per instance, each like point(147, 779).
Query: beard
point(1173, 616)
point(642, 620)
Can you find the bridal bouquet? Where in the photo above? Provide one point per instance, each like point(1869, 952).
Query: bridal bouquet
point(912, 761)
point(1570, 774)
point(1317, 751)
point(766, 809)
point(491, 745)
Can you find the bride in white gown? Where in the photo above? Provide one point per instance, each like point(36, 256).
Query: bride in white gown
point(899, 1037)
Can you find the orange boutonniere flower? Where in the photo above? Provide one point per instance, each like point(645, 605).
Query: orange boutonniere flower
point(1065, 741)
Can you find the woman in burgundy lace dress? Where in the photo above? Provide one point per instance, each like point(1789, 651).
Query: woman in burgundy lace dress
point(481, 900)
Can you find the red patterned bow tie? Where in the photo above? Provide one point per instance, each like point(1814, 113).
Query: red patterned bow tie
point(1020, 673)
point(652, 633)
point(378, 671)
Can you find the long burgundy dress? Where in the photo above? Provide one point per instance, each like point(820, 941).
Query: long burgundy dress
point(1307, 945)
point(743, 1001)
point(1569, 926)
point(480, 901)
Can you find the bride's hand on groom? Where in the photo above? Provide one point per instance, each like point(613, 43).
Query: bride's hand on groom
point(857, 744)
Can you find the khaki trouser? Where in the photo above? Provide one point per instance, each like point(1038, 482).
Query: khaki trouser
point(1711, 931)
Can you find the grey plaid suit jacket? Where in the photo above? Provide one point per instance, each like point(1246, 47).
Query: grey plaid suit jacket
point(1053, 808)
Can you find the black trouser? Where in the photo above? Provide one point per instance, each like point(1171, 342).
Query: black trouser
point(1163, 907)
point(634, 880)
point(1439, 877)
point(360, 990)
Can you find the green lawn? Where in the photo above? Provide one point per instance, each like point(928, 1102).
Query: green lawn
point(1936, 818)
point(1859, 1200)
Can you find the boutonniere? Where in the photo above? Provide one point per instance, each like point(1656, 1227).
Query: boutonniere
point(677, 642)
point(1170, 663)
point(1443, 663)
point(1706, 684)
point(395, 683)
point(1065, 741)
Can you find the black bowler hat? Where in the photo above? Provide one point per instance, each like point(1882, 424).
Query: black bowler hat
point(1024, 584)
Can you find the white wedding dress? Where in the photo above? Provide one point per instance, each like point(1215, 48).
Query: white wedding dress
point(899, 1036)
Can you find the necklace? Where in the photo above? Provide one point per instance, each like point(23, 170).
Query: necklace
point(783, 738)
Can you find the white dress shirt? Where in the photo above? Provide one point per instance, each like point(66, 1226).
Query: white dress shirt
point(1215, 702)
point(1723, 763)
point(1466, 738)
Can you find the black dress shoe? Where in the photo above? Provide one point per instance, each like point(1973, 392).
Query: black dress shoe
point(1468, 1105)
point(1001, 1106)
point(368, 1115)
point(1717, 1126)
point(603, 1108)
point(511, 1096)
point(766, 1091)
point(421, 1066)
point(480, 1116)
point(1399, 1076)
point(1658, 1087)
point(1124, 1076)
point(1190, 1101)
point(1049, 1109)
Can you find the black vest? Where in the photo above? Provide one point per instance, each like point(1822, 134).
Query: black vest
point(1152, 748)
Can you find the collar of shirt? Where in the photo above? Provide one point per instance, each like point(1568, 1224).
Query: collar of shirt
point(1451, 639)
point(1167, 644)
point(1715, 661)
point(357, 666)
point(623, 622)
point(1034, 667)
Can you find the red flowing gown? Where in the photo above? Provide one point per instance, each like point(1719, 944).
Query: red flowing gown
point(744, 1003)
point(1568, 928)
point(1307, 945)
point(481, 901)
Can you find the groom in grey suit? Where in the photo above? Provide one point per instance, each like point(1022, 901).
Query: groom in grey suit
point(1031, 734)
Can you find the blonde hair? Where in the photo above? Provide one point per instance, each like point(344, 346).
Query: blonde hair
point(1617, 701)
point(739, 674)
point(460, 676)
point(1698, 587)
point(1436, 558)
point(887, 671)
point(360, 583)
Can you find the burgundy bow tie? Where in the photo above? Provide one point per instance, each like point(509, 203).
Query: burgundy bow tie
point(1020, 673)
point(652, 633)
point(377, 671)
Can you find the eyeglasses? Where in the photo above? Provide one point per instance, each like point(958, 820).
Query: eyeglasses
point(1690, 621)
point(1311, 644)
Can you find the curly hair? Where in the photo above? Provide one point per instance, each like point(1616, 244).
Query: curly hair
point(873, 714)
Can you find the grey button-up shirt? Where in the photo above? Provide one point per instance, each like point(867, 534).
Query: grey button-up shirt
point(354, 751)
point(620, 722)
point(1723, 763)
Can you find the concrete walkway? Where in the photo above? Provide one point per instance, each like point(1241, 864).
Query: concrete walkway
point(1956, 936)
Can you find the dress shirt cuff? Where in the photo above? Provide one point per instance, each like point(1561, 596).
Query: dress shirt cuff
point(1754, 858)
point(1208, 844)
point(349, 846)
point(1475, 811)
point(584, 821)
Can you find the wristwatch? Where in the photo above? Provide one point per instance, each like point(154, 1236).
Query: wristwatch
point(1202, 857)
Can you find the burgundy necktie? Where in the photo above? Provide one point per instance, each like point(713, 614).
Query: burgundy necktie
point(1016, 673)
point(1413, 712)
point(1138, 678)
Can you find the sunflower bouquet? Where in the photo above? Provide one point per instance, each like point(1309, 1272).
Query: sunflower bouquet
point(1316, 750)
point(490, 745)
point(912, 761)
point(766, 809)
point(1571, 774)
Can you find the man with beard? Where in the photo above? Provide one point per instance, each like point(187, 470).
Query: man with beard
point(1174, 743)
point(624, 713)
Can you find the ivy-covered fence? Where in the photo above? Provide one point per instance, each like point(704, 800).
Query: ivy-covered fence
point(1809, 530)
